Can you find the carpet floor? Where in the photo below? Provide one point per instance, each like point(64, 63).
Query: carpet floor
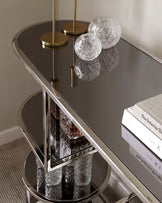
point(12, 156)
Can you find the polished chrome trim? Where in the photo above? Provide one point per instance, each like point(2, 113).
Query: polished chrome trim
point(28, 196)
point(132, 182)
point(40, 197)
point(45, 107)
point(22, 128)
point(66, 162)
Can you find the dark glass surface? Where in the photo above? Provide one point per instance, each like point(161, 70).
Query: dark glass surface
point(35, 178)
point(127, 76)
point(32, 119)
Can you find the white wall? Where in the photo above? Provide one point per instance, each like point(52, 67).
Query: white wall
point(140, 21)
point(15, 82)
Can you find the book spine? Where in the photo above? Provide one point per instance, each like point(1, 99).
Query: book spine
point(142, 133)
point(147, 120)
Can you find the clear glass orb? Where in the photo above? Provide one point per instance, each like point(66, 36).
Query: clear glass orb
point(107, 30)
point(88, 47)
point(87, 70)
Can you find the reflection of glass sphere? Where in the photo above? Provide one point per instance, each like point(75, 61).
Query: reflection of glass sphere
point(109, 58)
point(87, 70)
point(107, 30)
point(88, 47)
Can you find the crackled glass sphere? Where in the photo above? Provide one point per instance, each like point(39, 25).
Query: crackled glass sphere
point(88, 47)
point(107, 30)
point(87, 70)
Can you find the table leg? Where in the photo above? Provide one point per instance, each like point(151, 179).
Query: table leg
point(46, 128)
point(28, 196)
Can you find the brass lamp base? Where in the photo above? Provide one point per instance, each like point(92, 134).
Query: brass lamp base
point(47, 39)
point(77, 29)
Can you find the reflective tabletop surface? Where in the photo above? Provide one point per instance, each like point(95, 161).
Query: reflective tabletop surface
point(120, 77)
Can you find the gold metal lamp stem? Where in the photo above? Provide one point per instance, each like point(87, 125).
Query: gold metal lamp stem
point(53, 39)
point(74, 28)
point(54, 80)
point(73, 78)
point(53, 24)
point(74, 21)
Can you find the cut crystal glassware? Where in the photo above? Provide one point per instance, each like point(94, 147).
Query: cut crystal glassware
point(88, 47)
point(107, 30)
point(83, 170)
point(54, 177)
point(40, 175)
point(53, 192)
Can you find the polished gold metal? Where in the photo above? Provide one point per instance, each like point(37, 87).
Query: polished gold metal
point(54, 81)
point(54, 84)
point(53, 22)
point(53, 39)
point(74, 20)
point(74, 28)
point(73, 77)
point(59, 39)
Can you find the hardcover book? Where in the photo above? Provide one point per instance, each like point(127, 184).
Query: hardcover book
point(144, 120)
point(149, 112)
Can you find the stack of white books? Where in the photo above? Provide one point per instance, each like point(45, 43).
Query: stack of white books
point(144, 120)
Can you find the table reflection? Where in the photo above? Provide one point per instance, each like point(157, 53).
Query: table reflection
point(109, 58)
point(145, 156)
point(87, 70)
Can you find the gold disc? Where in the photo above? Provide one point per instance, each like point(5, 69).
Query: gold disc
point(79, 28)
point(60, 39)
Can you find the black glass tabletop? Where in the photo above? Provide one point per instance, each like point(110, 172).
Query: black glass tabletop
point(97, 91)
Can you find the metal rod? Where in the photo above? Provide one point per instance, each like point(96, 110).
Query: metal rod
point(45, 127)
point(27, 196)
point(73, 51)
point(74, 21)
point(53, 23)
point(70, 159)
point(72, 74)
point(54, 76)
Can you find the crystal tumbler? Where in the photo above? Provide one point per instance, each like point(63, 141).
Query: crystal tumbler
point(54, 192)
point(40, 176)
point(54, 177)
point(83, 170)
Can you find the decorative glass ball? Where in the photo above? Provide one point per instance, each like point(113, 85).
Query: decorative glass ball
point(87, 70)
point(107, 30)
point(88, 47)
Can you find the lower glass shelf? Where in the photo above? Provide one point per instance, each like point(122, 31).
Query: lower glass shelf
point(35, 181)
point(61, 149)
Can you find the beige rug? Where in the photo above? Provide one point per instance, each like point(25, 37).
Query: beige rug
point(12, 156)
